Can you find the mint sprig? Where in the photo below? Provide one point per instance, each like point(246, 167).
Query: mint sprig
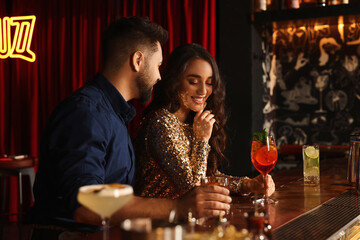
point(261, 136)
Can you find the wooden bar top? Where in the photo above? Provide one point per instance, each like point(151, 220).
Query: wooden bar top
point(294, 198)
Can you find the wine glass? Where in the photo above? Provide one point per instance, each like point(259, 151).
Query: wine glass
point(264, 156)
point(105, 200)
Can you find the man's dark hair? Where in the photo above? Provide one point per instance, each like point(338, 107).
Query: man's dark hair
point(127, 35)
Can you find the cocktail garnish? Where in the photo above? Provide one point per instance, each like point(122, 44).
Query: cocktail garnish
point(112, 185)
point(311, 152)
point(97, 190)
point(115, 185)
point(261, 136)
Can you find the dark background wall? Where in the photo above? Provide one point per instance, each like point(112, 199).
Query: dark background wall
point(234, 56)
point(312, 90)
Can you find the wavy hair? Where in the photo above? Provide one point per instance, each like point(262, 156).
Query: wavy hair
point(165, 95)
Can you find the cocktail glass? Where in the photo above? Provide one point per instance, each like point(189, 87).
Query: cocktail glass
point(216, 180)
point(264, 156)
point(105, 200)
point(311, 157)
point(222, 181)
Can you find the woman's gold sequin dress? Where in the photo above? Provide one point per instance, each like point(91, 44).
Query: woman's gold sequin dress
point(169, 160)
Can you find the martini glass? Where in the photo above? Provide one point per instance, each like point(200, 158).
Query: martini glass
point(105, 200)
point(264, 156)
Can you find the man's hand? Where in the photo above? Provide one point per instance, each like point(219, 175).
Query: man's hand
point(204, 201)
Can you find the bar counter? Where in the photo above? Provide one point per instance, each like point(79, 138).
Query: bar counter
point(294, 199)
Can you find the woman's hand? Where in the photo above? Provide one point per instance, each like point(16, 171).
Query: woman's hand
point(203, 125)
point(257, 185)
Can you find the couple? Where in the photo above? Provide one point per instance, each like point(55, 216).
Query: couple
point(86, 139)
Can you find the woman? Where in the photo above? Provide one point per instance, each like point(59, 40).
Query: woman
point(182, 138)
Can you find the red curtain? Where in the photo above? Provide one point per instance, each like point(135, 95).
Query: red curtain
point(67, 44)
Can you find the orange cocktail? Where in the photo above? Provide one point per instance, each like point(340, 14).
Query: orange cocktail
point(264, 156)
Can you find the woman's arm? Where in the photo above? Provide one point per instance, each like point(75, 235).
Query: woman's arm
point(245, 185)
point(183, 160)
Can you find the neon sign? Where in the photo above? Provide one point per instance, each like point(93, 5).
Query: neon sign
point(19, 45)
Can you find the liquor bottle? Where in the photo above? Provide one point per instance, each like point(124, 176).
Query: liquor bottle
point(345, 2)
point(282, 5)
point(308, 3)
point(267, 229)
point(263, 5)
point(334, 2)
point(256, 228)
point(259, 5)
point(293, 4)
point(321, 3)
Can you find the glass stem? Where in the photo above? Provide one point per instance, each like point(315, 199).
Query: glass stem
point(105, 223)
point(265, 184)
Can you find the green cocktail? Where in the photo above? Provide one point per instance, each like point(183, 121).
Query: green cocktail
point(311, 159)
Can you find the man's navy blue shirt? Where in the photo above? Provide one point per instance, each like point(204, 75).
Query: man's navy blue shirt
point(86, 141)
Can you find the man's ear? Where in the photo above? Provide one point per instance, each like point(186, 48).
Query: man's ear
point(137, 60)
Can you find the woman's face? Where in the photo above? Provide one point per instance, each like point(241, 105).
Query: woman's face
point(196, 85)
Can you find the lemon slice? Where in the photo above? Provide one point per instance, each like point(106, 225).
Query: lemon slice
point(311, 152)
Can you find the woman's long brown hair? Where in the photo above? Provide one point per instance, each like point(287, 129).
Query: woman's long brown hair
point(165, 95)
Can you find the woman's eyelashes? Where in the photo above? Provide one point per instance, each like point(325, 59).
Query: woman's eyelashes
point(194, 82)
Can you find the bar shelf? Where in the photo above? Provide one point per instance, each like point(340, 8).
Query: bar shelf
point(302, 14)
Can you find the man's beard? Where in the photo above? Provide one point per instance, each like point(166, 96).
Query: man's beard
point(144, 89)
point(145, 96)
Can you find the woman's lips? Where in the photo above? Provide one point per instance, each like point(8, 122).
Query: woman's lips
point(198, 100)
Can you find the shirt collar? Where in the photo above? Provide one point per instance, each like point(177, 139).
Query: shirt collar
point(120, 106)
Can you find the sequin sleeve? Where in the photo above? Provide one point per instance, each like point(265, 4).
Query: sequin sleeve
point(235, 184)
point(183, 159)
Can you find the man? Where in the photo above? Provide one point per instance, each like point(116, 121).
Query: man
point(86, 139)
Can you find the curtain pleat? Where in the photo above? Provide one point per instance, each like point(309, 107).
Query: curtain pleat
point(67, 44)
point(188, 20)
point(212, 29)
point(205, 23)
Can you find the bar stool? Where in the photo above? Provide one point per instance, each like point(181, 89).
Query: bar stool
point(18, 166)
